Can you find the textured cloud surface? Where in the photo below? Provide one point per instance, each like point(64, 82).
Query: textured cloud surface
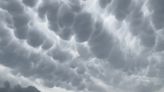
point(82, 45)
point(17, 88)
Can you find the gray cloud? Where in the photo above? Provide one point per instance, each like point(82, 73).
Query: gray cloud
point(66, 16)
point(121, 8)
point(101, 44)
point(141, 27)
point(104, 3)
point(30, 3)
point(17, 88)
point(14, 7)
point(83, 26)
point(66, 33)
point(157, 16)
point(160, 44)
point(34, 38)
point(82, 45)
point(60, 55)
point(118, 62)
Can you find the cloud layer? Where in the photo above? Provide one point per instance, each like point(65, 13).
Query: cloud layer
point(17, 88)
point(83, 45)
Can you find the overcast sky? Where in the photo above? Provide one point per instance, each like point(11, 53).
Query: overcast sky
point(82, 45)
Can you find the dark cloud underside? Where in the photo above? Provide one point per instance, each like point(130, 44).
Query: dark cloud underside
point(82, 45)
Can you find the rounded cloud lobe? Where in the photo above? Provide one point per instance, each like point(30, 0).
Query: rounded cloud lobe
point(83, 45)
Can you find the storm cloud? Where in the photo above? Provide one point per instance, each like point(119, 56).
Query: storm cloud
point(82, 45)
point(17, 88)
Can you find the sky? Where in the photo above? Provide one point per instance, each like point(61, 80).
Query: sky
point(82, 45)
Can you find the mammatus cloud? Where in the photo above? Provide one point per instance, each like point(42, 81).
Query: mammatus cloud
point(82, 45)
point(17, 88)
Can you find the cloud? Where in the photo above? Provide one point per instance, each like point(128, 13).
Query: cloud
point(82, 45)
point(7, 88)
point(14, 7)
point(104, 3)
point(101, 44)
point(83, 26)
point(66, 16)
point(160, 44)
point(30, 3)
point(157, 15)
point(121, 8)
point(66, 33)
point(35, 38)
